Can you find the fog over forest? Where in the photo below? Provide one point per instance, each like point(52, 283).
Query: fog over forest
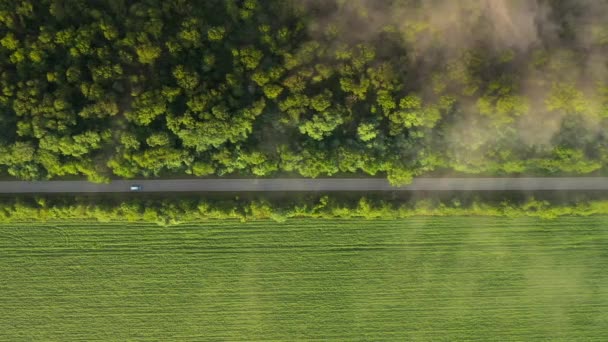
point(438, 33)
point(548, 49)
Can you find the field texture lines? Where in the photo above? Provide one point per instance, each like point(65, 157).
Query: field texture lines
point(440, 279)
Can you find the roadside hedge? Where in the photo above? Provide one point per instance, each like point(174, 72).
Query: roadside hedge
point(174, 211)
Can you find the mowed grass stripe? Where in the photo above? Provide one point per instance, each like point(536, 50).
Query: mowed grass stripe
point(414, 279)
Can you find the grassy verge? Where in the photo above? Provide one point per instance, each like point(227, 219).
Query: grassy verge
point(167, 210)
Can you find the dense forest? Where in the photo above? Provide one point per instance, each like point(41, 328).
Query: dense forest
point(141, 88)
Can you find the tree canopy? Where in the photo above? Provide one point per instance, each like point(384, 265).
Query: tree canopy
point(143, 87)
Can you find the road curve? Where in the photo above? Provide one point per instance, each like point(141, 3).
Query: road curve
point(318, 185)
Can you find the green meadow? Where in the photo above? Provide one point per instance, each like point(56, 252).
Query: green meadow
point(440, 279)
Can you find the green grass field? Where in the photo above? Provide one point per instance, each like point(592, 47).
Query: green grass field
point(440, 279)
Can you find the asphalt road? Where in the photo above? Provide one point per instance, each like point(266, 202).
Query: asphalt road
point(319, 184)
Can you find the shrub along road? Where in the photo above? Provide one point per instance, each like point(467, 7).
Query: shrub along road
point(300, 184)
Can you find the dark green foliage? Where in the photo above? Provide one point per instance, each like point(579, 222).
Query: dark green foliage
point(139, 88)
